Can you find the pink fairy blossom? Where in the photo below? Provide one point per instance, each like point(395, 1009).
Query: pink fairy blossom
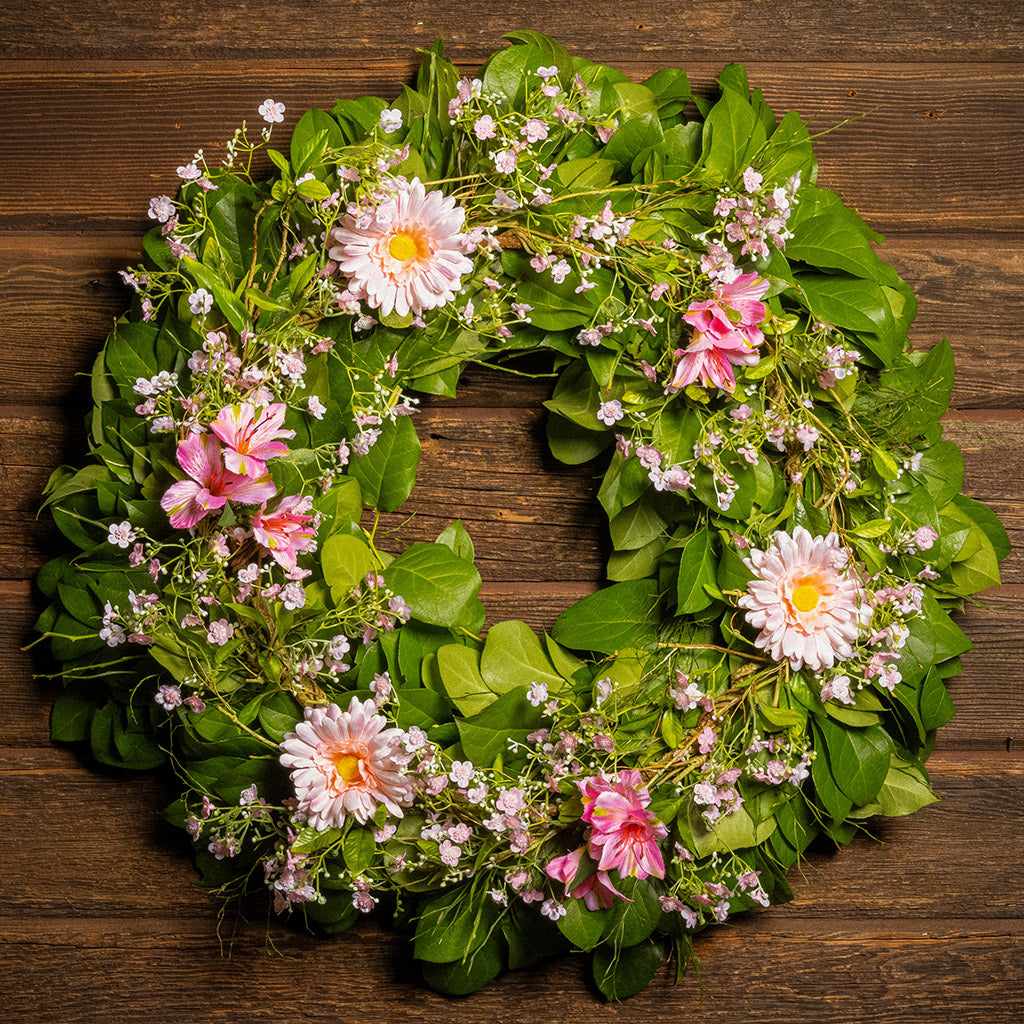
point(624, 834)
point(287, 531)
point(250, 438)
point(168, 696)
point(484, 127)
point(408, 256)
point(807, 604)
point(346, 763)
point(597, 892)
point(121, 534)
point(719, 340)
point(271, 112)
point(210, 486)
point(220, 632)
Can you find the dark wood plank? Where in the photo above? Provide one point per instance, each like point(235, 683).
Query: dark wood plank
point(922, 863)
point(141, 971)
point(726, 30)
point(897, 165)
point(532, 517)
point(971, 292)
point(988, 696)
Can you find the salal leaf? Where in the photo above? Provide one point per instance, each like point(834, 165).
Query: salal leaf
point(439, 587)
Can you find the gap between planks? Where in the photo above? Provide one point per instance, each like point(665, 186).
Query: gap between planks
point(778, 926)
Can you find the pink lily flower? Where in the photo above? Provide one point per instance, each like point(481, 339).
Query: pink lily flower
point(624, 834)
point(726, 334)
point(743, 297)
point(250, 438)
point(597, 891)
point(210, 486)
point(287, 531)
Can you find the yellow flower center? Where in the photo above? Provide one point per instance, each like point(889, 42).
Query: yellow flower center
point(805, 597)
point(347, 766)
point(403, 247)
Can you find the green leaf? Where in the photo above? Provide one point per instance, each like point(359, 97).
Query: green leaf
point(621, 973)
point(987, 520)
point(572, 444)
point(736, 831)
point(636, 564)
point(855, 304)
point(506, 72)
point(279, 713)
point(439, 587)
point(345, 560)
point(387, 472)
point(582, 927)
point(71, 714)
point(835, 240)
point(617, 617)
point(636, 526)
point(553, 52)
point(453, 925)
point(836, 804)
point(513, 656)
point(697, 569)
point(461, 977)
point(731, 132)
point(485, 736)
point(340, 507)
point(905, 789)
point(315, 131)
point(859, 758)
point(632, 922)
point(358, 849)
point(457, 538)
point(936, 706)
point(460, 675)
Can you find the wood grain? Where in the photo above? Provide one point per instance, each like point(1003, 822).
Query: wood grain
point(491, 468)
point(98, 919)
point(121, 970)
point(48, 790)
point(935, 151)
point(970, 292)
point(371, 33)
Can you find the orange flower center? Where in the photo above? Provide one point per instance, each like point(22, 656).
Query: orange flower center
point(403, 247)
point(805, 597)
point(347, 766)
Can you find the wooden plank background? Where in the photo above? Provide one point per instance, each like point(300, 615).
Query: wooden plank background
point(99, 920)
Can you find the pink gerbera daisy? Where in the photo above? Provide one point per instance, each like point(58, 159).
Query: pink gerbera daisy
point(407, 256)
point(804, 599)
point(346, 762)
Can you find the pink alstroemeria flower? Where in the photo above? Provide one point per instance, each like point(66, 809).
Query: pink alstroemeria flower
point(597, 891)
point(624, 834)
point(250, 438)
point(211, 486)
point(743, 297)
point(287, 531)
point(726, 334)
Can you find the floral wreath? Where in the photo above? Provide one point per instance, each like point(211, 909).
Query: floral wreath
point(768, 663)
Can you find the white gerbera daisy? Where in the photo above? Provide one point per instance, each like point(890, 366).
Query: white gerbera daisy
point(346, 762)
point(807, 604)
point(407, 255)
